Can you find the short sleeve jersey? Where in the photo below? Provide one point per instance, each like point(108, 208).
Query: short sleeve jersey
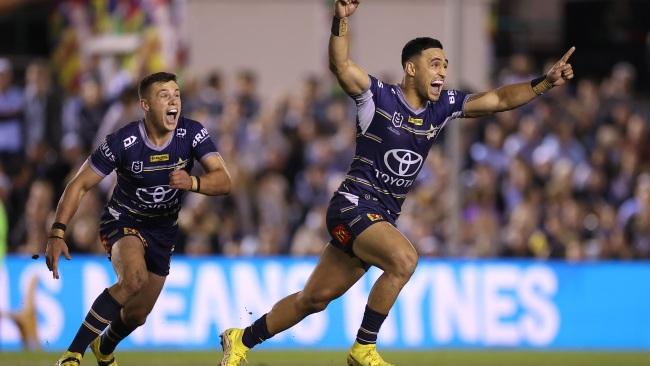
point(142, 191)
point(393, 140)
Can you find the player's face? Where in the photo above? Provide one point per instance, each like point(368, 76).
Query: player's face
point(163, 105)
point(430, 73)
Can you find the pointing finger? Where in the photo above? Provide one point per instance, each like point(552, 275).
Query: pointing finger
point(55, 267)
point(568, 54)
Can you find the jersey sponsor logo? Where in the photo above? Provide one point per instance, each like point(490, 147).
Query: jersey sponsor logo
point(136, 167)
point(416, 121)
point(129, 141)
point(158, 158)
point(130, 231)
point(341, 234)
point(397, 119)
point(374, 217)
point(156, 194)
point(393, 181)
point(452, 96)
point(106, 151)
point(200, 137)
point(181, 132)
point(402, 162)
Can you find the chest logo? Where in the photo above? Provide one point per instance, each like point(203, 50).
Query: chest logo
point(433, 132)
point(181, 132)
point(136, 167)
point(156, 194)
point(416, 121)
point(402, 162)
point(158, 158)
point(397, 120)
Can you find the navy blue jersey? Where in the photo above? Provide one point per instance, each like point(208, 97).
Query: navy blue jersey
point(142, 191)
point(393, 140)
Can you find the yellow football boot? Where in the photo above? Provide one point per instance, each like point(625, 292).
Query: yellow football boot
point(102, 359)
point(365, 355)
point(234, 351)
point(69, 359)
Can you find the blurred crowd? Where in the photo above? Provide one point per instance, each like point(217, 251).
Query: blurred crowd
point(566, 176)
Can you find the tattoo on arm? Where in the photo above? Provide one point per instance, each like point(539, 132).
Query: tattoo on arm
point(470, 98)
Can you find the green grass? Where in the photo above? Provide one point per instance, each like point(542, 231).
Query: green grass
point(332, 358)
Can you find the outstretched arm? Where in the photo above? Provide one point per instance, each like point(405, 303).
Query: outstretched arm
point(512, 96)
point(85, 179)
point(351, 77)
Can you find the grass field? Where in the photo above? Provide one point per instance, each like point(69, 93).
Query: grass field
point(292, 358)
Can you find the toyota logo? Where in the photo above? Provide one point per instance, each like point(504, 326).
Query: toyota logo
point(156, 194)
point(403, 163)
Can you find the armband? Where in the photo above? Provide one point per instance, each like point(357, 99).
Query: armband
point(541, 85)
point(339, 26)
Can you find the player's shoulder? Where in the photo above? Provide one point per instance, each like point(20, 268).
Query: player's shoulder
point(191, 130)
point(450, 97)
point(127, 135)
point(378, 84)
point(189, 124)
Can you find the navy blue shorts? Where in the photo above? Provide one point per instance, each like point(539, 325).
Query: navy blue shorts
point(158, 240)
point(347, 219)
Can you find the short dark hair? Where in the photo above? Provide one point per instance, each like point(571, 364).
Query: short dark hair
point(158, 77)
point(415, 46)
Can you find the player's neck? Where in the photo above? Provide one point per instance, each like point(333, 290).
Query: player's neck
point(155, 136)
point(411, 96)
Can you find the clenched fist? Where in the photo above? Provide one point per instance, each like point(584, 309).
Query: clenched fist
point(179, 179)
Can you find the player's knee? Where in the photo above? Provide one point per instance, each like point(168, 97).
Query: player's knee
point(133, 283)
point(403, 264)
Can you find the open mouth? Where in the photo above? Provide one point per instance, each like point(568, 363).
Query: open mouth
point(171, 115)
point(436, 87)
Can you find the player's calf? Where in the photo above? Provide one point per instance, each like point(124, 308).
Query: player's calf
point(309, 302)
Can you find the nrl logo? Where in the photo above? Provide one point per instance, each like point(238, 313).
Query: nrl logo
point(136, 167)
point(397, 119)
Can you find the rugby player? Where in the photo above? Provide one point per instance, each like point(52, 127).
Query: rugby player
point(153, 158)
point(396, 127)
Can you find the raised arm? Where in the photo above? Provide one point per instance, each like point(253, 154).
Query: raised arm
point(85, 179)
point(351, 77)
point(514, 95)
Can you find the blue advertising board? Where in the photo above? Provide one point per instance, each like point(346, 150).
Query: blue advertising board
point(447, 304)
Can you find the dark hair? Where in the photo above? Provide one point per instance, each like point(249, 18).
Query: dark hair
point(415, 46)
point(158, 77)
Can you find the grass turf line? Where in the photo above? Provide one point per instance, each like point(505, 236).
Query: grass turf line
point(335, 358)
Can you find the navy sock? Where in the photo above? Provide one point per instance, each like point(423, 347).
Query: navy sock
point(101, 313)
point(256, 333)
point(116, 332)
point(370, 325)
